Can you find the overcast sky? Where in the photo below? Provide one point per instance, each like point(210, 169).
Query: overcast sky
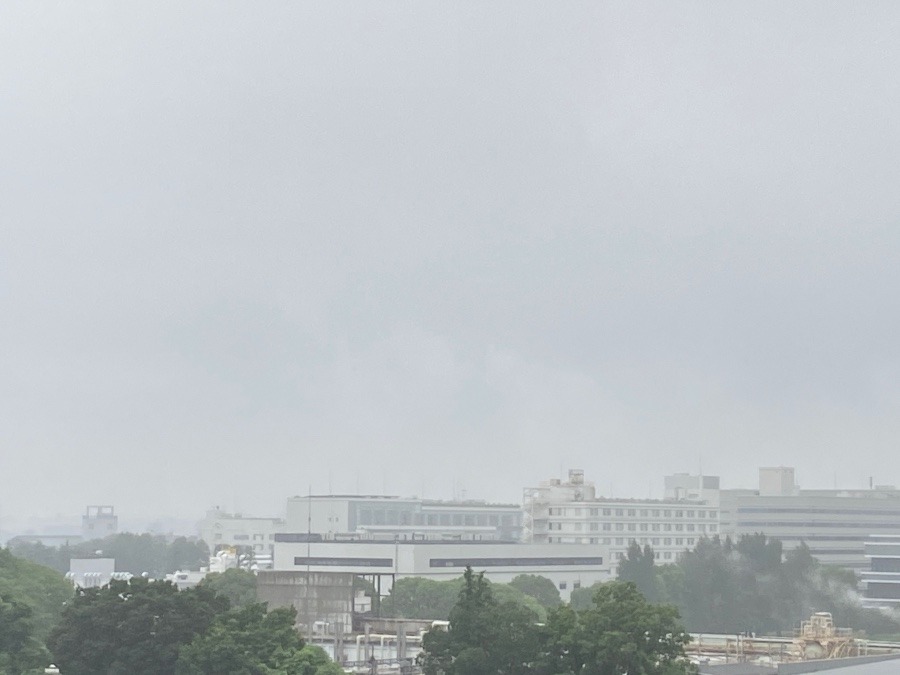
point(445, 248)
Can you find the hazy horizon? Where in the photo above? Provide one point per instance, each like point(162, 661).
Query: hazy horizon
point(251, 250)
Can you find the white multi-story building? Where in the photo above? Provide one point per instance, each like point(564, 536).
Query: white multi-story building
point(570, 512)
point(220, 529)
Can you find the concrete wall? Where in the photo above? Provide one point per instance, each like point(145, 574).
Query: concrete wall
point(328, 597)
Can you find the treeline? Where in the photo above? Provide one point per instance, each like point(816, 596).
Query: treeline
point(146, 626)
point(31, 602)
point(749, 586)
point(134, 553)
point(620, 632)
point(142, 626)
point(417, 598)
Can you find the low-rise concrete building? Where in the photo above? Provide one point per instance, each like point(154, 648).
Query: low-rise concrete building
point(568, 566)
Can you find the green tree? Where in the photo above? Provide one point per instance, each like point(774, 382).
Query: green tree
point(239, 586)
point(132, 626)
point(134, 553)
point(485, 636)
point(416, 598)
point(246, 641)
point(20, 649)
point(540, 588)
point(620, 633)
point(43, 590)
point(639, 567)
point(311, 660)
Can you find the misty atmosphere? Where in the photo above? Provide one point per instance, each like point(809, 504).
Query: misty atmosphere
point(279, 277)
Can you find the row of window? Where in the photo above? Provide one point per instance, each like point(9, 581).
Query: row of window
point(632, 513)
point(244, 537)
point(633, 527)
point(393, 517)
point(623, 541)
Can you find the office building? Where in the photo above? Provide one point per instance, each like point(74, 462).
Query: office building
point(834, 524)
point(570, 512)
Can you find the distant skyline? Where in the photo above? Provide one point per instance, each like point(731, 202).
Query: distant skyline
point(246, 250)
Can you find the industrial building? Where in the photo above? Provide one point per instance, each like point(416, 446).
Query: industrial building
point(881, 581)
point(834, 524)
point(389, 518)
point(570, 512)
point(99, 522)
point(568, 566)
point(366, 517)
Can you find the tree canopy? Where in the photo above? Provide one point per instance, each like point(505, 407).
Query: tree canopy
point(246, 641)
point(417, 598)
point(238, 585)
point(134, 626)
point(31, 601)
point(485, 637)
point(749, 586)
point(540, 588)
point(134, 553)
point(619, 633)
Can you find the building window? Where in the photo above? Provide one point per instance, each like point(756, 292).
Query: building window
point(667, 555)
point(655, 541)
point(562, 585)
point(690, 527)
point(631, 513)
point(655, 527)
point(620, 541)
point(712, 528)
point(679, 541)
point(667, 527)
point(667, 513)
point(679, 527)
point(576, 584)
point(594, 527)
point(607, 512)
point(656, 513)
point(607, 527)
point(679, 514)
point(644, 527)
point(631, 527)
point(620, 527)
point(620, 512)
point(690, 514)
point(667, 541)
point(643, 513)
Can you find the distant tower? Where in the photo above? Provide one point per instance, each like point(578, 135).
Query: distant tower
point(98, 522)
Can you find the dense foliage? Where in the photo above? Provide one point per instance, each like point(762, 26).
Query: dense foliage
point(751, 586)
point(620, 632)
point(239, 586)
point(31, 601)
point(134, 553)
point(417, 598)
point(134, 626)
point(249, 641)
point(540, 588)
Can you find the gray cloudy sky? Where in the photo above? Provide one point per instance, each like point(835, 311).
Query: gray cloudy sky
point(249, 247)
